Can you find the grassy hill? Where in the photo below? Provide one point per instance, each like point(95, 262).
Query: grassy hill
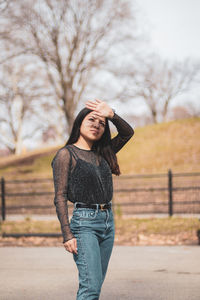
point(153, 149)
point(156, 148)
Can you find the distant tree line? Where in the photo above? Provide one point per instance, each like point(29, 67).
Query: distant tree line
point(56, 54)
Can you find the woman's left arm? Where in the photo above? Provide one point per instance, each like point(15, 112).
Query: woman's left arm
point(125, 131)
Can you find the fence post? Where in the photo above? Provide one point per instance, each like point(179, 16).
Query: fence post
point(170, 195)
point(3, 204)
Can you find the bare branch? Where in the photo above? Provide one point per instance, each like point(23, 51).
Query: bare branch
point(72, 41)
point(158, 82)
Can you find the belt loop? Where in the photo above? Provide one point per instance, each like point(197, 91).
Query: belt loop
point(97, 206)
point(75, 205)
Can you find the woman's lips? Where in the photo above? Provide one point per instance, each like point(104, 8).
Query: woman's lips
point(94, 131)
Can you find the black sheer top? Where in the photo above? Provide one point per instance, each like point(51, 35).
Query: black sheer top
point(83, 176)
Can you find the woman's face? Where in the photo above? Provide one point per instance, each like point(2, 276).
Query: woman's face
point(93, 126)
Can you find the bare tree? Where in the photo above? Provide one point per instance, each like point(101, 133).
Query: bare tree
point(193, 108)
point(158, 82)
point(19, 95)
point(71, 38)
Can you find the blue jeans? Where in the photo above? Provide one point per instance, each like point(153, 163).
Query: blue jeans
point(94, 230)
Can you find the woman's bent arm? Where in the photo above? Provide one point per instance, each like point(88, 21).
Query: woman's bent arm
point(125, 132)
point(60, 165)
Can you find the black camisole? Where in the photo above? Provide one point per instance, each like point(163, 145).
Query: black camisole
point(90, 179)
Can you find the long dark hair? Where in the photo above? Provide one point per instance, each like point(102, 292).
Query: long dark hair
point(102, 146)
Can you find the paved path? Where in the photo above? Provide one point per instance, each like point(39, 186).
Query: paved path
point(135, 273)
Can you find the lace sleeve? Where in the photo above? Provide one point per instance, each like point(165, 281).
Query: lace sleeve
point(60, 165)
point(125, 132)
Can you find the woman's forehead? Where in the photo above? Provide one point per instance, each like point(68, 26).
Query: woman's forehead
point(96, 116)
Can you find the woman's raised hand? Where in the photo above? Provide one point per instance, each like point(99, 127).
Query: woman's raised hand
point(71, 246)
point(100, 107)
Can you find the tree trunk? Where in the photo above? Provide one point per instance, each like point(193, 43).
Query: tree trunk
point(165, 111)
point(18, 142)
point(154, 116)
point(69, 111)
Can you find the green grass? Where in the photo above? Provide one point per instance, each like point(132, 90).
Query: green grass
point(153, 149)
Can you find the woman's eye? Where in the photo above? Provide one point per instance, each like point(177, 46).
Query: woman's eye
point(92, 120)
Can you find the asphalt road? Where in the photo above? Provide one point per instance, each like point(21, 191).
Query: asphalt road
point(135, 273)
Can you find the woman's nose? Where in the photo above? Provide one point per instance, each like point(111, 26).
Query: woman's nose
point(96, 124)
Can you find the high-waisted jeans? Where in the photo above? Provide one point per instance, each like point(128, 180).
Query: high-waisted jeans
point(94, 230)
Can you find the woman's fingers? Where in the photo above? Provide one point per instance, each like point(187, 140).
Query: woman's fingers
point(98, 101)
point(70, 249)
point(93, 103)
point(71, 246)
point(100, 107)
point(75, 245)
point(91, 106)
point(90, 103)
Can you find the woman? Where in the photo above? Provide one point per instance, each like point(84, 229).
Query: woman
point(82, 172)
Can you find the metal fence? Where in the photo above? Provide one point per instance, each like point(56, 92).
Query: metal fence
point(169, 193)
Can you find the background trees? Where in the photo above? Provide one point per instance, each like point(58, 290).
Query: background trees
point(157, 82)
point(21, 101)
point(55, 54)
point(71, 39)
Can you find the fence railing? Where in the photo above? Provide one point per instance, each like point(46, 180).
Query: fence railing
point(169, 193)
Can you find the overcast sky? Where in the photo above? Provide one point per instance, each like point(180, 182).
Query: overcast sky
point(174, 26)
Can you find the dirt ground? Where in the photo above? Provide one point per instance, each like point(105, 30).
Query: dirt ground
point(133, 240)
